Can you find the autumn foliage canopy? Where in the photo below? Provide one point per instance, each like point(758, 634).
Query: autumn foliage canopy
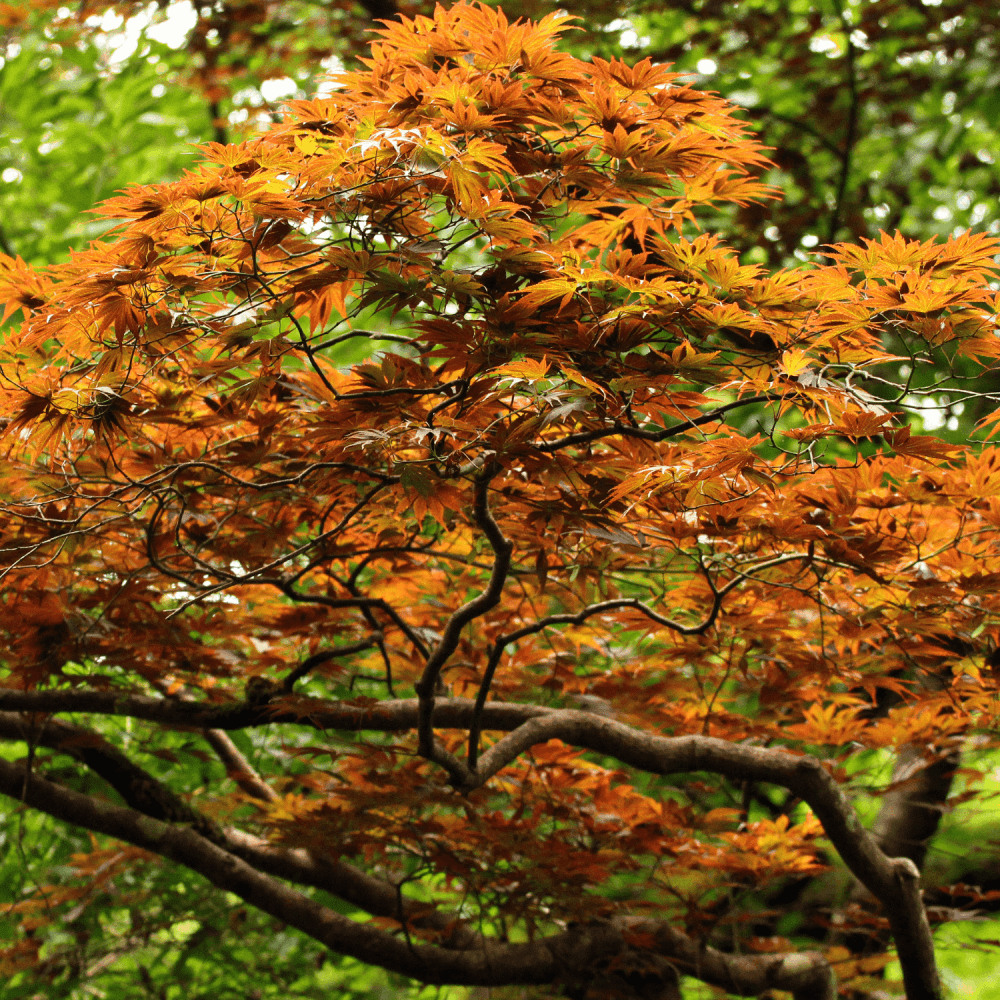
point(434, 431)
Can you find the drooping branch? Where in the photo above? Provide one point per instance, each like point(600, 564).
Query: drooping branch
point(465, 958)
point(152, 798)
point(351, 884)
point(495, 963)
point(894, 882)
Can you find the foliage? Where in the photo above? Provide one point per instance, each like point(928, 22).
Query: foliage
point(75, 127)
point(433, 400)
point(880, 114)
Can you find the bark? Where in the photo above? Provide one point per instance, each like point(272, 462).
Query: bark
point(559, 958)
point(912, 807)
point(893, 881)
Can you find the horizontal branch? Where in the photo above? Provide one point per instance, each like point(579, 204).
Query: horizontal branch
point(471, 960)
point(894, 882)
point(152, 798)
point(395, 715)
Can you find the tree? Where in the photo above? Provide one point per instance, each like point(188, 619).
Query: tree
point(566, 572)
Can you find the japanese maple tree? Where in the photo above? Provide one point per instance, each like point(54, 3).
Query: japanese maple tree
point(425, 435)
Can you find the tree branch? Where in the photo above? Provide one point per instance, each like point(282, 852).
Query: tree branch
point(472, 960)
point(496, 963)
point(911, 808)
point(344, 880)
point(894, 882)
point(238, 767)
point(479, 605)
point(323, 657)
point(395, 715)
point(806, 975)
point(137, 787)
point(624, 430)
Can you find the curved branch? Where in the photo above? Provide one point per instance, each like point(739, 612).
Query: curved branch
point(344, 880)
point(625, 430)
point(497, 648)
point(145, 794)
point(323, 657)
point(894, 882)
point(495, 963)
point(479, 605)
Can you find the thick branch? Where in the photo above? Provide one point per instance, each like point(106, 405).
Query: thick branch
point(496, 963)
point(481, 962)
point(136, 786)
point(396, 715)
point(148, 796)
point(806, 975)
point(892, 881)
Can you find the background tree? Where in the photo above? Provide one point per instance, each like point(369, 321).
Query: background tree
point(594, 408)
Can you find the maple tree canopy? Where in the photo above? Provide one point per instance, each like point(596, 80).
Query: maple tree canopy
point(433, 431)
